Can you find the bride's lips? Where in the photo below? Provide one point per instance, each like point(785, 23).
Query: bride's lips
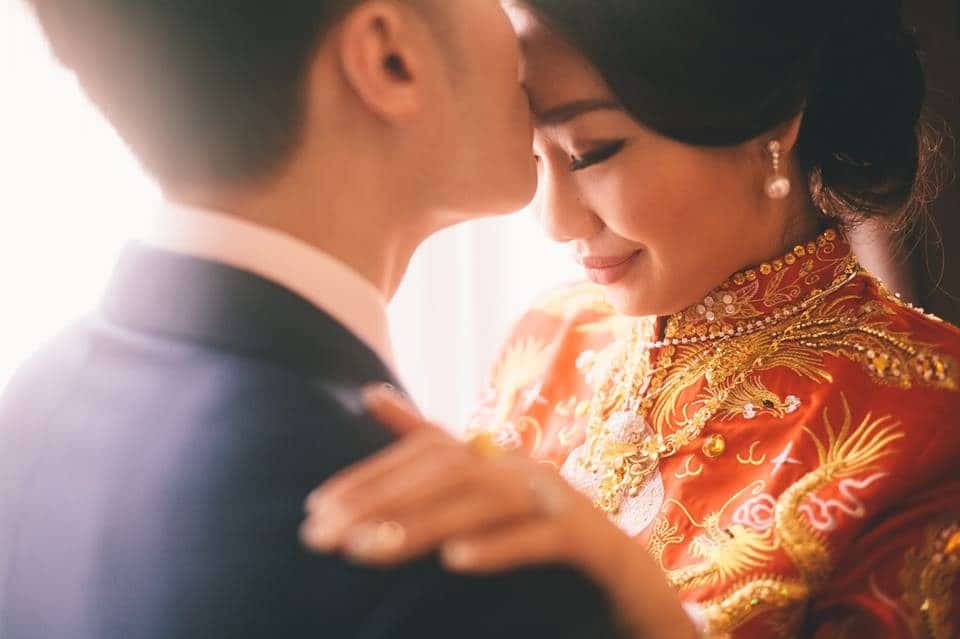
point(607, 270)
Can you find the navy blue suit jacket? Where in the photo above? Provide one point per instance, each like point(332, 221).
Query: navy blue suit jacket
point(154, 460)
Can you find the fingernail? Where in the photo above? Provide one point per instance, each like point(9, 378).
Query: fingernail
point(377, 392)
point(375, 541)
point(322, 508)
point(319, 535)
point(315, 503)
point(385, 393)
point(458, 555)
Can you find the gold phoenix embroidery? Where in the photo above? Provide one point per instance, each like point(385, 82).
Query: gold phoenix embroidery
point(842, 327)
point(754, 394)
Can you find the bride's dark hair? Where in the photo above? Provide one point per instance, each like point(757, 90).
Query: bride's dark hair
point(721, 73)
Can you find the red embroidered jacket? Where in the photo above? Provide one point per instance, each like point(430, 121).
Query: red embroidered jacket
point(790, 456)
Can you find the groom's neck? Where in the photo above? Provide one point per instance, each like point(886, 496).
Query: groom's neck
point(357, 214)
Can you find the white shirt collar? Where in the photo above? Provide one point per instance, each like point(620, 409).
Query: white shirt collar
point(313, 274)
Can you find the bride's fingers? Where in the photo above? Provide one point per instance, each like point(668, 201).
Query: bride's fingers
point(371, 470)
point(414, 486)
point(396, 413)
point(443, 471)
point(528, 543)
point(418, 533)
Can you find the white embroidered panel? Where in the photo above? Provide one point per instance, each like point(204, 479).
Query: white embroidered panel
point(636, 513)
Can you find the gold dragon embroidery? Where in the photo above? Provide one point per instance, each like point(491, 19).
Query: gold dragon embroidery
point(725, 377)
point(844, 454)
point(728, 553)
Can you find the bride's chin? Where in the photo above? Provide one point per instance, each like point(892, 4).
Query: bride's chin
point(633, 299)
point(629, 309)
point(626, 299)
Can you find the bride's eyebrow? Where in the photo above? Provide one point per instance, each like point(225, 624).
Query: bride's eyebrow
point(566, 112)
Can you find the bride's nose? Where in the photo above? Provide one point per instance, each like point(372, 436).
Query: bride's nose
point(560, 208)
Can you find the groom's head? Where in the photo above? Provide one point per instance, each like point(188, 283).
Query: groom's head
point(225, 93)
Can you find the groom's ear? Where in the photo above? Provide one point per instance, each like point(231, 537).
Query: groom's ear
point(383, 50)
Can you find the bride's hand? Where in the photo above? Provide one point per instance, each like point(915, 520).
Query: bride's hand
point(484, 511)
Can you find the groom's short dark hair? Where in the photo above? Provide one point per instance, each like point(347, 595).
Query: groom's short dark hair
point(202, 90)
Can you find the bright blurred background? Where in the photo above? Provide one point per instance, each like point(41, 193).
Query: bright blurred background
point(71, 194)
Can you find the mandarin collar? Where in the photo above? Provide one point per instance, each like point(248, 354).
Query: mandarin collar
point(768, 289)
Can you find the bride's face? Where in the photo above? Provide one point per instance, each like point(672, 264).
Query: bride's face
point(656, 222)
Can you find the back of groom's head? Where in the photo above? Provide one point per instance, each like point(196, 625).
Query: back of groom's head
point(213, 94)
point(223, 76)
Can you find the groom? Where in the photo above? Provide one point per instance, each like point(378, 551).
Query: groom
point(154, 457)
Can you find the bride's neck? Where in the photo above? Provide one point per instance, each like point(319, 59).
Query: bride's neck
point(801, 222)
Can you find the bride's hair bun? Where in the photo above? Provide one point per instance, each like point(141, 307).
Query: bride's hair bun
point(861, 130)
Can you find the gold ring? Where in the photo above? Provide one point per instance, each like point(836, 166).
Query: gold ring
point(482, 444)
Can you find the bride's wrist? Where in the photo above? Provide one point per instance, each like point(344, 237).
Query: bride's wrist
point(637, 589)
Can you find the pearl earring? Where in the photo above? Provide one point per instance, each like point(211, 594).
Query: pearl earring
point(777, 186)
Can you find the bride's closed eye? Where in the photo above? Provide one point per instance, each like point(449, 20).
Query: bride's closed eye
point(598, 155)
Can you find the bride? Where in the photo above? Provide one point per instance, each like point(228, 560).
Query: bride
point(754, 437)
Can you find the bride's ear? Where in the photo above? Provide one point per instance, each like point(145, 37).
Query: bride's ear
point(789, 133)
point(381, 55)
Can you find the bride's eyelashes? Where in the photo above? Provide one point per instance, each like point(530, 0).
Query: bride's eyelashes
point(598, 155)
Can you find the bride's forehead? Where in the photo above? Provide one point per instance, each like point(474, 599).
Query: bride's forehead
point(554, 71)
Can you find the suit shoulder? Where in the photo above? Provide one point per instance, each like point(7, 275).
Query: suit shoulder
point(46, 377)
